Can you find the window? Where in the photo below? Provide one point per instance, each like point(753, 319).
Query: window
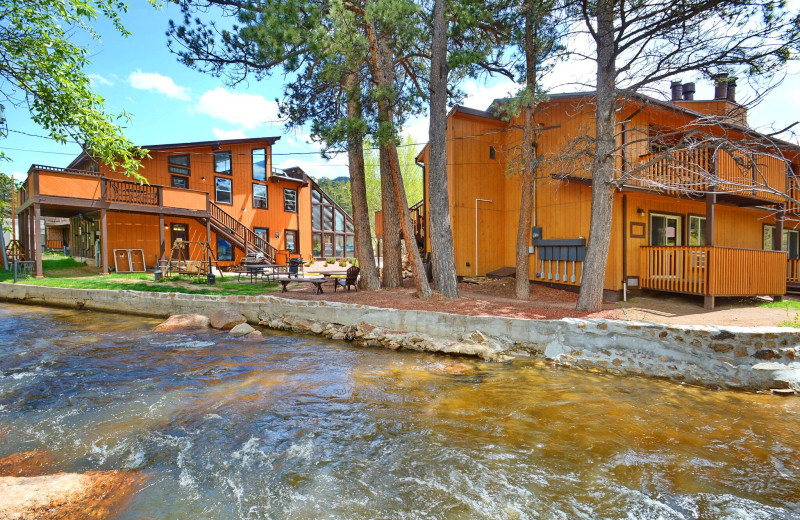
point(339, 221)
point(491, 152)
point(665, 230)
point(339, 246)
point(348, 226)
point(178, 164)
point(328, 245)
point(290, 237)
point(697, 230)
point(223, 192)
point(791, 241)
point(327, 220)
point(350, 246)
point(259, 164)
point(316, 197)
point(179, 181)
point(290, 200)
point(316, 217)
point(222, 162)
point(262, 232)
point(316, 245)
point(224, 250)
point(260, 196)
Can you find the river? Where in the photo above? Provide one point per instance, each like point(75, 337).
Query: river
point(294, 427)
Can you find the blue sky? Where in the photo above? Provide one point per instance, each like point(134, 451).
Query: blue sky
point(172, 103)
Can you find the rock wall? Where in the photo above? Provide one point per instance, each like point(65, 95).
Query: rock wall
point(732, 357)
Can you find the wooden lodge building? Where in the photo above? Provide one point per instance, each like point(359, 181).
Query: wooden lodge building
point(224, 192)
point(699, 221)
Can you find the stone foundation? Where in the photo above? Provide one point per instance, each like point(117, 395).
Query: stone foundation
point(731, 357)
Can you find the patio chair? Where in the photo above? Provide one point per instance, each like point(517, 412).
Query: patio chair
point(350, 279)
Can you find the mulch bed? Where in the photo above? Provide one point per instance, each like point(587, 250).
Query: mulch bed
point(491, 298)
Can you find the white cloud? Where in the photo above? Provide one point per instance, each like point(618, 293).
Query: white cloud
point(245, 110)
point(229, 134)
point(316, 166)
point(97, 79)
point(481, 96)
point(297, 138)
point(161, 84)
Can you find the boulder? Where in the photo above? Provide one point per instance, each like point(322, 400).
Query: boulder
point(226, 319)
point(242, 329)
point(183, 322)
point(254, 336)
point(93, 495)
point(27, 464)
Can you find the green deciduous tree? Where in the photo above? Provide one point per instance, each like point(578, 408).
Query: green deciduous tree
point(42, 69)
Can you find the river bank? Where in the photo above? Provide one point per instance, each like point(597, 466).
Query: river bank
point(762, 358)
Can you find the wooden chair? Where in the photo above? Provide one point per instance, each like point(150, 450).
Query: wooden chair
point(350, 279)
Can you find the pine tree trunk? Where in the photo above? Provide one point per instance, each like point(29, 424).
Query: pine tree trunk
point(523, 284)
point(594, 267)
point(358, 189)
point(392, 257)
point(441, 232)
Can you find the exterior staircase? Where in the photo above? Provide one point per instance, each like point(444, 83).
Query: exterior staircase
point(239, 235)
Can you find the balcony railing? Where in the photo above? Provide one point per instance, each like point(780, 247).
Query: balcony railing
point(713, 271)
point(754, 175)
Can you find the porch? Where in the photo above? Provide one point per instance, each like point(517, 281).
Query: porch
point(712, 271)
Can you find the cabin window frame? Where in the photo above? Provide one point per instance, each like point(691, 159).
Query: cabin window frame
point(178, 167)
point(184, 178)
point(253, 164)
point(286, 202)
point(230, 256)
point(786, 241)
point(263, 232)
point(702, 219)
point(265, 198)
point(295, 234)
point(229, 159)
point(667, 215)
point(217, 191)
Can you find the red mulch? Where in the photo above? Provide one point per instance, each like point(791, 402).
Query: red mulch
point(493, 298)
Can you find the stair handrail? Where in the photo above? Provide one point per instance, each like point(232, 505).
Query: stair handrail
point(245, 234)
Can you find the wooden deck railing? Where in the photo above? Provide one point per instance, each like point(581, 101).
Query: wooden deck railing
point(713, 271)
point(127, 192)
point(686, 170)
point(793, 271)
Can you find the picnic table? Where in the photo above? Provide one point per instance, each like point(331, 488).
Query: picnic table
point(253, 271)
point(316, 282)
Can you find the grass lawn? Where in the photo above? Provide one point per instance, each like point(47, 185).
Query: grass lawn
point(792, 312)
point(60, 271)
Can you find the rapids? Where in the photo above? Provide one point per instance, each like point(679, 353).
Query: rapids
point(294, 427)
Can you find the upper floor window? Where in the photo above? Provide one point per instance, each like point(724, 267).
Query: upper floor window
point(222, 162)
point(260, 196)
point(290, 200)
point(178, 164)
point(223, 193)
point(259, 164)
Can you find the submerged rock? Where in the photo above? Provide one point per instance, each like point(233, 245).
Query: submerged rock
point(64, 496)
point(183, 322)
point(27, 464)
point(242, 329)
point(226, 319)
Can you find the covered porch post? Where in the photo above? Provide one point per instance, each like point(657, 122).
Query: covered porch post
point(711, 199)
point(778, 240)
point(37, 238)
point(104, 240)
point(161, 245)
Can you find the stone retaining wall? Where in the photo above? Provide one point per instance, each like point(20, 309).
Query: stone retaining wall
point(734, 357)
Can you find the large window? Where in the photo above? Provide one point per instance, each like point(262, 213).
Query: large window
point(791, 241)
point(260, 196)
point(224, 250)
point(179, 181)
point(222, 162)
point(290, 236)
point(697, 230)
point(665, 230)
point(260, 164)
point(178, 164)
point(290, 200)
point(223, 193)
point(331, 228)
point(262, 232)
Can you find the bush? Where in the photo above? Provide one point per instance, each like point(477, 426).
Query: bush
point(330, 260)
point(343, 263)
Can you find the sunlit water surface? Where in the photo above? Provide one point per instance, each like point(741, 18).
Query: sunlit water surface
point(299, 428)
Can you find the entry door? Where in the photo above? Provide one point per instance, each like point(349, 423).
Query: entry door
point(665, 230)
point(180, 231)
